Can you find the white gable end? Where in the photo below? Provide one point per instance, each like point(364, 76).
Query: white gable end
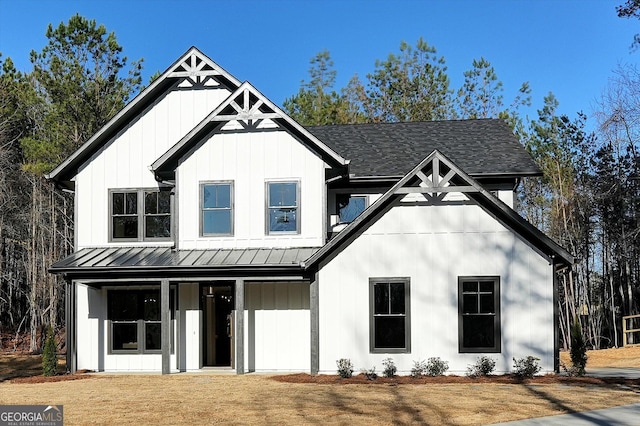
point(124, 161)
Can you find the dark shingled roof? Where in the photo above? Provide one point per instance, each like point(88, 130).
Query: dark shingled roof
point(482, 148)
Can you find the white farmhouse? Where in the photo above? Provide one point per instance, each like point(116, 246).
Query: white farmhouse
point(213, 231)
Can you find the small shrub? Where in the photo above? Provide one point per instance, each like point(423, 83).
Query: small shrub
point(483, 367)
point(370, 374)
point(526, 367)
point(389, 367)
point(345, 368)
point(436, 367)
point(571, 371)
point(578, 349)
point(419, 369)
point(49, 355)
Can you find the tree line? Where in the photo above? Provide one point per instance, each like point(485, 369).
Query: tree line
point(588, 198)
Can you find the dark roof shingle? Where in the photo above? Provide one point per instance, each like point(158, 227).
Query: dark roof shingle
point(481, 148)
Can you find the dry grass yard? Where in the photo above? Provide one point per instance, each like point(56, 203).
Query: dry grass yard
point(259, 399)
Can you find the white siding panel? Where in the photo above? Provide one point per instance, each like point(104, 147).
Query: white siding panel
point(250, 159)
point(124, 161)
point(277, 326)
point(401, 245)
point(90, 314)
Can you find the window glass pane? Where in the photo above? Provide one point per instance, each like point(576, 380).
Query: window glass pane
point(478, 331)
point(283, 194)
point(125, 227)
point(150, 202)
point(152, 336)
point(486, 304)
point(470, 303)
point(122, 306)
point(216, 222)
point(151, 301)
point(157, 227)
point(352, 209)
point(381, 298)
point(389, 332)
point(216, 196)
point(486, 286)
point(118, 203)
point(131, 206)
point(164, 202)
point(283, 220)
point(397, 298)
point(470, 286)
point(124, 336)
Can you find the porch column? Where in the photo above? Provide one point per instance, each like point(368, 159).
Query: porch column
point(239, 326)
point(314, 311)
point(70, 325)
point(165, 326)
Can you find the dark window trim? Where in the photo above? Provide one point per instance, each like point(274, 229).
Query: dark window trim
point(232, 208)
point(267, 201)
point(497, 326)
point(407, 315)
point(141, 216)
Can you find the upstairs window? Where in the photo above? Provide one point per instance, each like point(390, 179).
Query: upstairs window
point(479, 314)
point(216, 209)
point(350, 207)
point(389, 327)
point(282, 207)
point(140, 215)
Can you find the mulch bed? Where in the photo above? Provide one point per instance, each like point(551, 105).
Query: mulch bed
point(49, 379)
point(498, 379)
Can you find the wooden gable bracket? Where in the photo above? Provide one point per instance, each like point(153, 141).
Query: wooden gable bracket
point(197, 70)
point(430, 181)
point(246, 107)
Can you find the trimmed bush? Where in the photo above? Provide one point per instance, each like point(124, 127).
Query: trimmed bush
point(345, 368)
point(389, 367)
point(526, 367)
point(49, 355)
point(436, 367)
point(483, 367)
point(419, 369)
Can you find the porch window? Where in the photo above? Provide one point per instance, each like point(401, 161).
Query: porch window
point(282, 207)
point(140, 215)
point(216, 208)
point(479, 314)
point(134, 318)
point(389, 315)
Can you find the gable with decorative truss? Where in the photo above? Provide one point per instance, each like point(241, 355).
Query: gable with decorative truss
point(196, 70)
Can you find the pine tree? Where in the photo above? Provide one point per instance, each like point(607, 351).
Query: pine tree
point(49, 355)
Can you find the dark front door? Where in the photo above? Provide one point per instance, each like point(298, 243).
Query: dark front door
point(217, 307)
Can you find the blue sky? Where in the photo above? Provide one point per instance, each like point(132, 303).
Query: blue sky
point(564, 46)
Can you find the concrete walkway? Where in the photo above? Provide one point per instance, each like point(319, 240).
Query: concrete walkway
point(626, 415)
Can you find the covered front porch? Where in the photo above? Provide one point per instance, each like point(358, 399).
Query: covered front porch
point(190, 314)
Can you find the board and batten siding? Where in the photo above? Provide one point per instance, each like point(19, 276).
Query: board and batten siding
point(433, 246)
point(124, 161)
point(277, 325)
point(250, 159)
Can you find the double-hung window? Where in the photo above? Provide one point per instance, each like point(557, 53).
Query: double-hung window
point(134, 320)
point(389, 315)
point(283, 207)
point(140, 215)
point(479, 314)
point(216, 208)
